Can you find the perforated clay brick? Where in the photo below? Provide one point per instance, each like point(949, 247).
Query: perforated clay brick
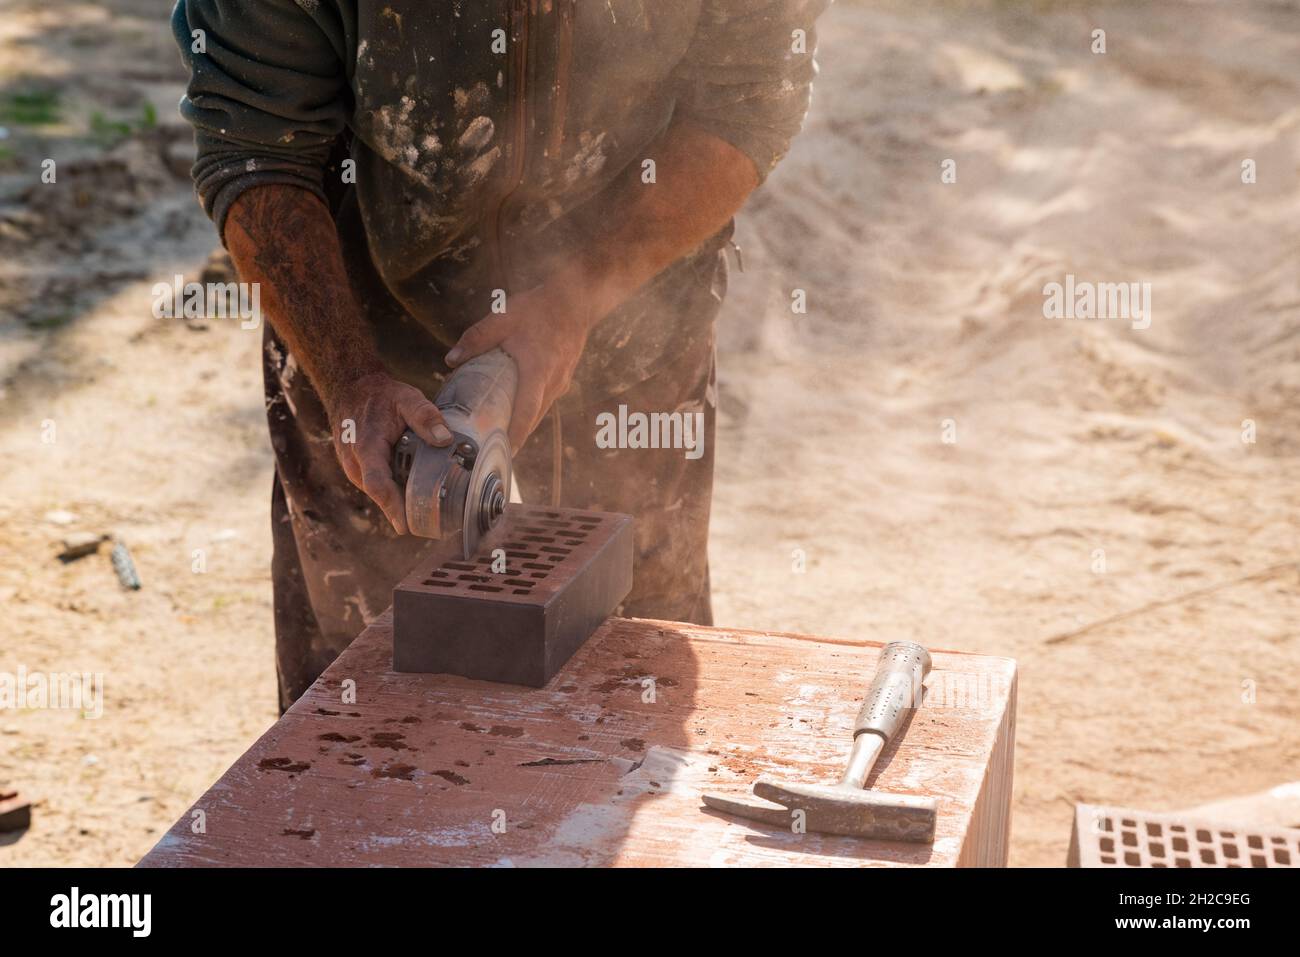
point(515, 612)
point(1121, 837)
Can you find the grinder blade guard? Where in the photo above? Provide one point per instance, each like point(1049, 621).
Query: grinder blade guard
point(462, 488)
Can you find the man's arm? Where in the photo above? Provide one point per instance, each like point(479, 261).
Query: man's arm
point(266, 98)
point(701, 181)
point(743, 88)
point(283, 238)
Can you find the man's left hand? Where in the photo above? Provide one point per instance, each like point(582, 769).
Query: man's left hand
point(544, 330)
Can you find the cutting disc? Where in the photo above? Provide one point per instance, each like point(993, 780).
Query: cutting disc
point(488, 491)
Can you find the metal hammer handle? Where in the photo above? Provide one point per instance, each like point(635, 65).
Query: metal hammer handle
point(895, 690)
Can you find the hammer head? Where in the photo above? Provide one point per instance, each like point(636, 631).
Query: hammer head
point(839, 809)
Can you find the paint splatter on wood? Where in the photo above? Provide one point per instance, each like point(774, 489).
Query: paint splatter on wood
point(586, 771)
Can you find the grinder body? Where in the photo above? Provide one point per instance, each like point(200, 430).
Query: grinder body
point(462, 489)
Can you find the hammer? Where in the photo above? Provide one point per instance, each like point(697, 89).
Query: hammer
point(845, 808)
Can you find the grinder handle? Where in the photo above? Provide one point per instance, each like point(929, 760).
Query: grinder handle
point(895, 690)
point(479, 395)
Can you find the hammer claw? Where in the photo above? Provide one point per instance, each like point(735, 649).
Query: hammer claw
point(773, 814)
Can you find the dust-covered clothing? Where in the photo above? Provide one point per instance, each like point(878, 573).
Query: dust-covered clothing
point(484, 134)
point(466, 148)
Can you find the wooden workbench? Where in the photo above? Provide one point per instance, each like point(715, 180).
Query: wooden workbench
point(605, 765)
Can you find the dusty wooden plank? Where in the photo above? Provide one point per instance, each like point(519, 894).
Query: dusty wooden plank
point(604, 765)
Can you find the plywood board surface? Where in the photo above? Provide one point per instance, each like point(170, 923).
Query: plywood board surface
point(605, 765)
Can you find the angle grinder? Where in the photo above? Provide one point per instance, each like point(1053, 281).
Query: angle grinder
point(462, 488)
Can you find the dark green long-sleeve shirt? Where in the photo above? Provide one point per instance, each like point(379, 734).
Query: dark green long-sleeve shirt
point(477, 126)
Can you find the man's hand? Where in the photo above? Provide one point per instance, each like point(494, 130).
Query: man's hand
point(544, 331)
point(367, 416)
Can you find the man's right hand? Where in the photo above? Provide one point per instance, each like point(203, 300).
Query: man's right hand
point(367, 416)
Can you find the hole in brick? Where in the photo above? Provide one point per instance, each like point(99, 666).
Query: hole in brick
point(473, 578)
point(587, 528)
point(1203, 836)
point(538, 566)
point(1258, 860)
point(587, 518)
point(1127, 823)
point(537, 538)
point(538, 575)
point(1230, 850)
point(1154, 829)
point(1180, 844)
point(1107, 859)
point(1133, 859)
point(459, 566)
point(519, 582)
point(1282, 857)
point(520, 554)
point(554, 550)
point(1157, 849)
point(1255, 841)
point(1130, 839)
point(440, 584)
point(486, 588)
point(1207, 855)
point(523, 591)
point(1183, 862)
point(1107, 844)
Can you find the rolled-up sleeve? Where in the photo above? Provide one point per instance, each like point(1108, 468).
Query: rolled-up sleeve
point(265, 95)
point(747, 75)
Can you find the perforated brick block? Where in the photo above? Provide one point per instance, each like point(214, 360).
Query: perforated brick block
point(565, 571)
point(1122, 837)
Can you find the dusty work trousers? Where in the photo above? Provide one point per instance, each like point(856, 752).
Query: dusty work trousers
point(336, 558)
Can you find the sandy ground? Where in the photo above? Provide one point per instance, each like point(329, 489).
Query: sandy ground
point(1098, 516)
